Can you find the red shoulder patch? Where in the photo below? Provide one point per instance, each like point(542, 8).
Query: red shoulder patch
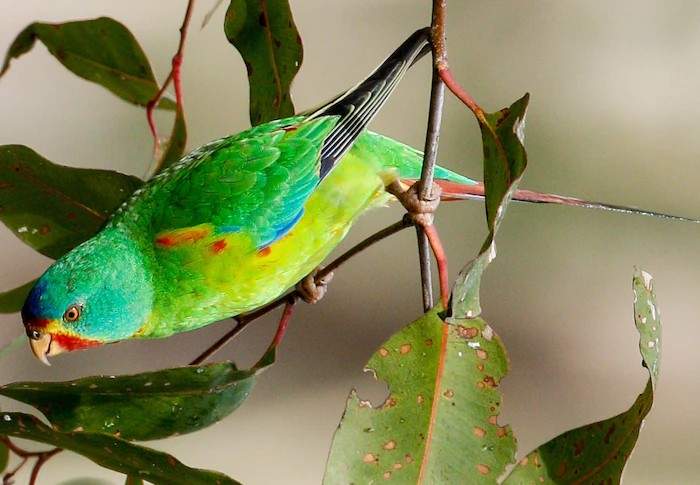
point(182, 236)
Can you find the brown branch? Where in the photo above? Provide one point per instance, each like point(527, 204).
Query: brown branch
point(41, 458)
point(432, 137)
point(242, 321)
point(173, 76)
point(40, 463)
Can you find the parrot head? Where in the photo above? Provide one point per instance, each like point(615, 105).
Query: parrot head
point(100, 292)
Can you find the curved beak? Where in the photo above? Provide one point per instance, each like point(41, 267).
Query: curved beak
point(41, 346)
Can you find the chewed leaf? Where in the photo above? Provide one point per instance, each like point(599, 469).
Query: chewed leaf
point(11, 301)
point(598, 452)
point(100, 50)
point(111, 452)
point(647, 320)
point(439, 422)
point(53, 208)
point(505, 160)
point(266, 37)
point(141, 407)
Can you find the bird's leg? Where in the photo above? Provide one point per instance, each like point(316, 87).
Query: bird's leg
point(421, 212)
point(311, 289)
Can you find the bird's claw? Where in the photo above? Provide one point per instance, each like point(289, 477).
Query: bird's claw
point(421, 212)
point(311, 289)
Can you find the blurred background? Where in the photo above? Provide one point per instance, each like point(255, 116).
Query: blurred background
point(613, 116)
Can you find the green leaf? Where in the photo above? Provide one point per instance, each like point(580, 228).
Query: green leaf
point(100, 50)
point(148, 406)
point(266, 37)
point(4, 456)
point(505, 160)
point(598, 452)
point(11, 301)
point(53, 208)
point(175, 147)
point(111, 452)
point(17, 342)
point(133, 481)
point(439, 423)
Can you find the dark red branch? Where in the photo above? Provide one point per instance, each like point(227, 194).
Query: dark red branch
point(174, 76)
point(41, 458)
point(40, 463)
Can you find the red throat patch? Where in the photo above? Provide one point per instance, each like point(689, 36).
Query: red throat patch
point(69, 343)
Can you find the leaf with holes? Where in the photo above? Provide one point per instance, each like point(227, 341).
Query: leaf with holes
point(111, 452)
point(505, 160)
point(53, 208)
point(266, 37)
point(148, 406)
point(11, 301)
point(598, 452)
point(439, 423)
point(100, 50)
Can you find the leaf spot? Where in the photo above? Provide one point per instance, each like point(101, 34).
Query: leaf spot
point(467, 332)
point(479, 432)
point(405, 348)
point(390, 445)
point(370, 458)
point(483, 469)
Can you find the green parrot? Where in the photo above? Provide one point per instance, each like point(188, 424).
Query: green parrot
point(235, 224)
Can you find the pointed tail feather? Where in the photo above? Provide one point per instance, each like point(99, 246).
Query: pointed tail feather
point(455, 191)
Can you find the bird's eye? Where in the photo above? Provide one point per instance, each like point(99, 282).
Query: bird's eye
point(72, 314)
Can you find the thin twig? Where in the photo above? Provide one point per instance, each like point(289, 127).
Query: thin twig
point(461, 93)
point(21, 452)
point(432, 137)
point(243, 320)
point(40, 462)
point(41, 458)
point(173, 76)
point(426, 277)
point(7, 477)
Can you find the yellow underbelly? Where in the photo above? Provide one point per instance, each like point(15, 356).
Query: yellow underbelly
point(240, 277)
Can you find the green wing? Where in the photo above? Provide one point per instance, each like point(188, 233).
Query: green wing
point(256, 182)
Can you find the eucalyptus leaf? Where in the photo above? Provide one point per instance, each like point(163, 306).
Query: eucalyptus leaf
point(148, 406)
point(4, 456)
point(11, 301)
point(53, 208)
point(598, 452)
point(266, 37)
point(505, 160)
point(177, 142)
point(439, 423)
point(100, 50)
point(17, 342)
point(111, 452)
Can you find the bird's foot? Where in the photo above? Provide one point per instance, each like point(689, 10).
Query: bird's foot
point(420, 211)
point(422, 214)
point(311, 289)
